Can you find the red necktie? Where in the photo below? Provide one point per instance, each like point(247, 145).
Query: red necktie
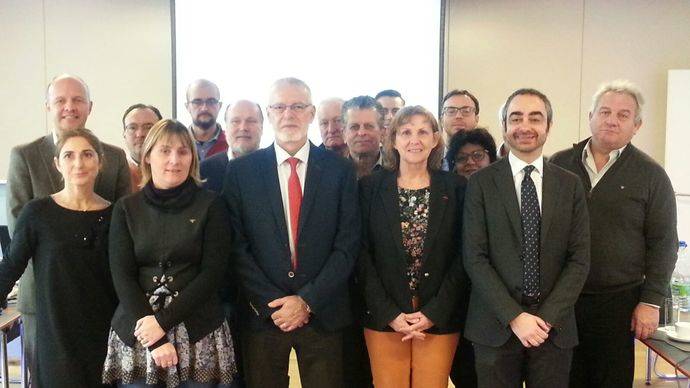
point(295, 199)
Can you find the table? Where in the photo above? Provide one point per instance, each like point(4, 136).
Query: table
point(678, 358)
point(10, 321)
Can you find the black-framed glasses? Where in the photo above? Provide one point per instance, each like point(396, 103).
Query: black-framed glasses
point(198, 102)
point(477, 156)
point(297, 107)
point(463, 110)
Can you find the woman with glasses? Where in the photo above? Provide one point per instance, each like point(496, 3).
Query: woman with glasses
point(66, 234)
point(169, 246)
point(470, 151)
point(410, 265)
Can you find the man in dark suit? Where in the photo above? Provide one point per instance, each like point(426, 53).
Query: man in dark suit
point(526, 250)
point(32, 174)
point(293, 252)
point(244, 124)
point(632, 211)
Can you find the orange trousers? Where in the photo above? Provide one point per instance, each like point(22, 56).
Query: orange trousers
point(410, 364)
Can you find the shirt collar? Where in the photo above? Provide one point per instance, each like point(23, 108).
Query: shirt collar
point(302, 154)
point(613, 155)
point(517, 165)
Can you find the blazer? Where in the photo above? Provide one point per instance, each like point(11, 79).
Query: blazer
point(491, 243)
point(382, 260)
point(212, 169)
point(32, 174)
point(329, 231)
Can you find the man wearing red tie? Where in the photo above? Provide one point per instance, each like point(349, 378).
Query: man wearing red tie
point(296, 228)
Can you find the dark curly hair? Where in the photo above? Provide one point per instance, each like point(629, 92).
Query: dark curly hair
point(478, 136)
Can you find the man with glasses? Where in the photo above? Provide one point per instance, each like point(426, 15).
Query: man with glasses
point(294, 210)
point(331, 126)
point(391, 101)
point(460, 112)
point(203, 104)
point(137, 121)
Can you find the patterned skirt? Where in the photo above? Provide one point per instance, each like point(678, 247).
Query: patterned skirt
point(209, 360)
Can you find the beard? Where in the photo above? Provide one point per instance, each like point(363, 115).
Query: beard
point(204, 122)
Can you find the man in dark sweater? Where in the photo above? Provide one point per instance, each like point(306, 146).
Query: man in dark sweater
point(634, 239)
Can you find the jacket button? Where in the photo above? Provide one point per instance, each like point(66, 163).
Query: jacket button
point(160, 264)
point(426, 274)
point(291, 274)
point(155, 279)
point(168, 264)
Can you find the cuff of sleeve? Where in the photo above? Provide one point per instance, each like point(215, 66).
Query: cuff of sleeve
point(652, 298)
point(162, 321)
point(159, 343)
point(651, 305)
point(507, 315)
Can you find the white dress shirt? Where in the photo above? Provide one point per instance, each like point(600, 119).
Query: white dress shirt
point(517, 166)
point(591, 167)
point(284, 175)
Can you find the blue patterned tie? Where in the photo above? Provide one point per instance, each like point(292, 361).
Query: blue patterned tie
point(531, 227)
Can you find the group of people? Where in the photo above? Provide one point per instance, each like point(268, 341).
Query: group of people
point(381, 257)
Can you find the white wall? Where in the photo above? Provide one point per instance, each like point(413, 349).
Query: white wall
point(121, 48)
point(677, 142)
point(567, 48)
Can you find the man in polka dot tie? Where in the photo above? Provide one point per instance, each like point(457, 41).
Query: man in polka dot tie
point(526, 250)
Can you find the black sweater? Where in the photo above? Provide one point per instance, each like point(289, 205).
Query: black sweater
point(632, 212)
point(185, 238)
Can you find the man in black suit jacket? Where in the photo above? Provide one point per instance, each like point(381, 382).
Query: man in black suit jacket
point(293, 253)
point(244, 124)
point(526, 250)
point(32, 174)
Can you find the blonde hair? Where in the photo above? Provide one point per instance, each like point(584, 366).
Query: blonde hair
point(392, 157)
point(162, 130)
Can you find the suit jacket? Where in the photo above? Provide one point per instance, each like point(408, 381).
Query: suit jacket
point(382, 261)
point(492, 239)
point(32, 174)
point(212, 169)
point(329, 231)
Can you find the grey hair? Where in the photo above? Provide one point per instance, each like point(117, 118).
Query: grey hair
point(292, 81)
point(70, 76)
point(620, 86)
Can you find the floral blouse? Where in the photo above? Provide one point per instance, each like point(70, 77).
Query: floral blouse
point(414, 218)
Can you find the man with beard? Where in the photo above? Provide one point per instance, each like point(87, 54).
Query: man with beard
point(363, 120)
point(391, 101)
point(331, 126)
point(203, 104)
point(137, 121)
point(244, 123)
point(634, 239)
point(526, 251)
point(296, 223)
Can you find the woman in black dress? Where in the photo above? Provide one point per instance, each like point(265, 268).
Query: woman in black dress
point(169, 249)
point(66, 235)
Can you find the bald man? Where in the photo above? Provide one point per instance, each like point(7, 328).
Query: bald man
point(203, 104)
point(32, 174)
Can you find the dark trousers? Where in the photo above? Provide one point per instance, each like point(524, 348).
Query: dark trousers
point(356, 366)
point(463, 373)
point(266, 357)
point(507, 366)
point(605, 356)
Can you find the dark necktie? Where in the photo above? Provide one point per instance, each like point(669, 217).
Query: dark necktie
point(295, 201)
point(531, 227)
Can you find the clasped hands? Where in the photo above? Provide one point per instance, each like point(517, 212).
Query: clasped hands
point(411, 325)
point(293, 312)
point(148, 332)
point(531, 330)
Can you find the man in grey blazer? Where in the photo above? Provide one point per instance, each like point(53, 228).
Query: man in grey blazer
point(526, 250)
point(32, 174)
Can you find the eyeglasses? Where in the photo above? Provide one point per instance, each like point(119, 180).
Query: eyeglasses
point(297, 108)
point(453, 110)
point(198, 103)
point(477, 156)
